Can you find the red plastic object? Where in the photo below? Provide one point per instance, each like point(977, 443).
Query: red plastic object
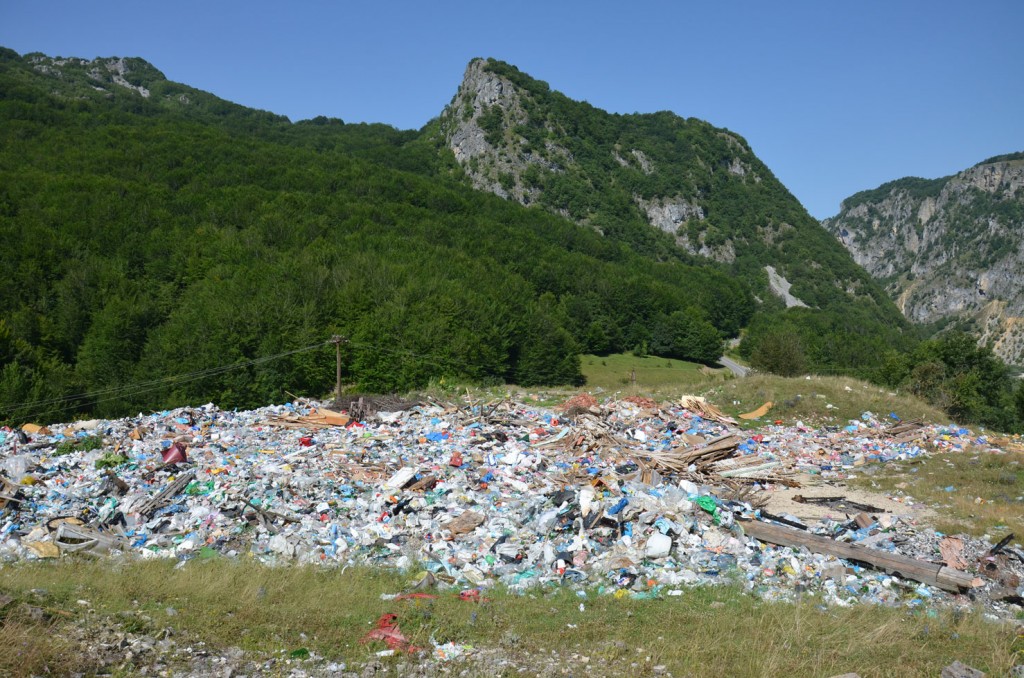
point(175, 454)
point(306, 441)
point(473, 595)
point(456, 459)
point(388, 631)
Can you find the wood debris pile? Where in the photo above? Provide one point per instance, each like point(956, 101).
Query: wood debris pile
point(607, 431)
point(317, 419)
point(906, 431)
point(591, 434)
point(701, 407)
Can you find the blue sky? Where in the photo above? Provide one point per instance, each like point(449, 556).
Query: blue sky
point(835, 97)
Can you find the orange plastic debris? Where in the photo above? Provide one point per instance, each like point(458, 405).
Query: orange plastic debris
point(759, 412)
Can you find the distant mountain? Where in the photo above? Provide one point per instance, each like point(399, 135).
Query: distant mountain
point(664, 185)
point(948, 250)
point(125, 80)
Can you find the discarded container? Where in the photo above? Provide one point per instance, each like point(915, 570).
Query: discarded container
point(658, 545)
point(175, 454)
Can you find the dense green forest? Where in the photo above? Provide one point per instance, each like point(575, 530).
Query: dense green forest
point(176, 248)
point(142, 243)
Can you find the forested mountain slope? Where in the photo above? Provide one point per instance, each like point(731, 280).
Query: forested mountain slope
point(154, 234)
point(662, 183)
point(147, 237)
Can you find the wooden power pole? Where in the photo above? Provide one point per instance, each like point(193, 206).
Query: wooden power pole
point(337, 339)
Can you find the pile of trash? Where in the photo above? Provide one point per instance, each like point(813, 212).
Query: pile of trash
point(629, 498)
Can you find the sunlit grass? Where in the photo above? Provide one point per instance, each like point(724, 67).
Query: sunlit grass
point(705, 631)
point(977, 492)
point(817, 400)
point(615, 373)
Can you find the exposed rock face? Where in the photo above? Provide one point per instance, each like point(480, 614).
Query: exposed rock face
point(107, 78)
point(117, 68)
point(780, 286)
point(669, 214)
point(480, 126)
point(109, 71)
point(950, 248)
point(492, 163)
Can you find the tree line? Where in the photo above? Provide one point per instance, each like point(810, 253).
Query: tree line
point(140, 244)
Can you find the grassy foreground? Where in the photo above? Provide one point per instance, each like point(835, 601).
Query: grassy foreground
point(267, 611)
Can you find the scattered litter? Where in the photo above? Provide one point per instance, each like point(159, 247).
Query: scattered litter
point(387, 630)
point(629, 497)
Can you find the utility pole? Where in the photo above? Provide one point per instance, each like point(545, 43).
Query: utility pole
point(336, 340)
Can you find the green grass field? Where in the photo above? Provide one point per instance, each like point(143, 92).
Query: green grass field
point(270, 612)
point(615, 372)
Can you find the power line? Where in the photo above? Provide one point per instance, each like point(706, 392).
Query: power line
point(124, 390)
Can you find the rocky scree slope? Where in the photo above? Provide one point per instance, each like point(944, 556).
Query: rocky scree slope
point(656, 181)
point(948, 250)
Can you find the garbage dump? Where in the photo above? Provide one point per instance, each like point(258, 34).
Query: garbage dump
point(628, 498)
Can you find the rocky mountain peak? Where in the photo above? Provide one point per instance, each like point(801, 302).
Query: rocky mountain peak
point(102, 74)
point(478, 125)
point(501, 130)
point(658, 182)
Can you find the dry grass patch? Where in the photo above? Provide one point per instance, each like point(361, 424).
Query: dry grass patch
point(30, 647)
point(977, 491)
point(817, 399)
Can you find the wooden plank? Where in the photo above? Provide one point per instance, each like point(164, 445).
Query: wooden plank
point(723, 444)
point(167, 494)
point(919, 570)
point(743, 471)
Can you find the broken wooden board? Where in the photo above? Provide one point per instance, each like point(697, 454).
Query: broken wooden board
point(935, 574)
point(951, 549)
point(316, 419)
point(167, 494)
point(9, 492)
point(839, 504)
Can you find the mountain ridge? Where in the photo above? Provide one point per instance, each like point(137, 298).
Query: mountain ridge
point(665, 184)
point(152, 221)
point(949, 250)
point(143, 232)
